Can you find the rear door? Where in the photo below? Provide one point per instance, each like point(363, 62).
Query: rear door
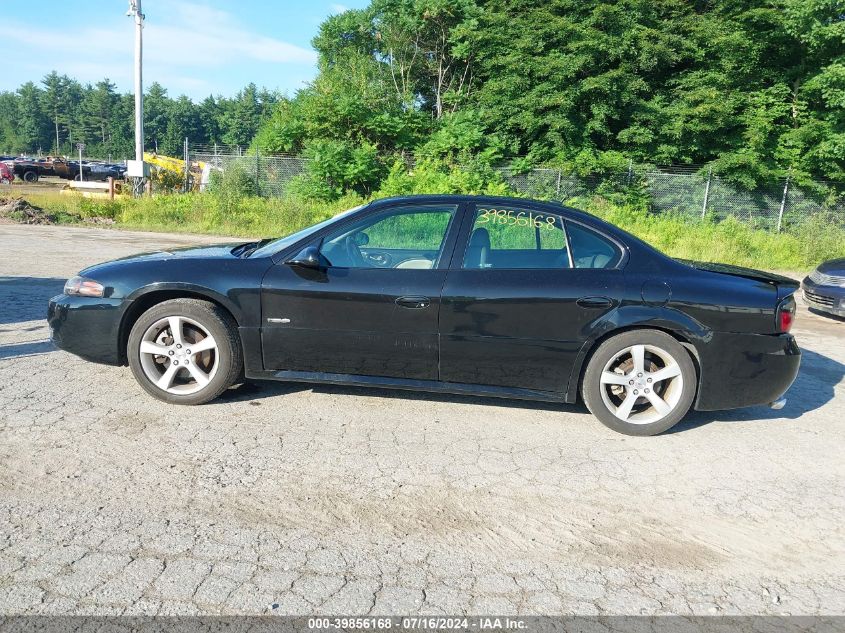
point(521, 297)
point(373, 309)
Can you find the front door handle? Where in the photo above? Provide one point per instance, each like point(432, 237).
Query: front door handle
point(594, 302)
point(414, 303)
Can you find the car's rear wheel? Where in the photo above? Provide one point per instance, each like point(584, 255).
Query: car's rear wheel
point(185, 351)
point(640, 382)
point(30, 176)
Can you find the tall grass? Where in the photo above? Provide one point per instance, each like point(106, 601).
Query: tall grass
point(196, 212)
point(729, 241)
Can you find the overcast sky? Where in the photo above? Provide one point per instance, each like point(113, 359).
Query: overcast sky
point(195, 48)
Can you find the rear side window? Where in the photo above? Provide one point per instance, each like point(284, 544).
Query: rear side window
point(516, 238)
point(591, 249)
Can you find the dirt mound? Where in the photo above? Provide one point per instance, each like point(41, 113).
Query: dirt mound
point(20, 211)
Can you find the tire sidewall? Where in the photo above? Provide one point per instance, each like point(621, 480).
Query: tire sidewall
point(209, 317)
point(591, 387)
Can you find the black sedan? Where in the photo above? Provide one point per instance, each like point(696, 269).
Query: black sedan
point(824, 288)
point(460, 294)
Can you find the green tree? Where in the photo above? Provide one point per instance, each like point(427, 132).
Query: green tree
point(209, 117)
point(242, 117)
point(55, 104)
point(182, 122)
point(98, 109)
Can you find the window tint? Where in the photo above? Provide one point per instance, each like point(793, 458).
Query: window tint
point(410, 237)
point(510, 237)
point(590, 249)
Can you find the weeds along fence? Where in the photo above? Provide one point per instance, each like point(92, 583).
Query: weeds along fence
point(269, 175)
point(691, 191)
point(694, 192)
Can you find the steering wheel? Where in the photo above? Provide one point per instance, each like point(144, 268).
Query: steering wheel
point(381, 260)
point(354, 253)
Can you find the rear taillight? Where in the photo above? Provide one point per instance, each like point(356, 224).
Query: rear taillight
point(786, 314)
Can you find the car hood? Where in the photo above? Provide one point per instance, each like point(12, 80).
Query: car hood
point(833, 267)
point(778, 281)
point(216, 251)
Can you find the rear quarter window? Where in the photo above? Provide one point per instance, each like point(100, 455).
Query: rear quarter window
point(590, 249)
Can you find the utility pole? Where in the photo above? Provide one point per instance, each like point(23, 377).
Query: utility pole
point(80, 147)
point(187, 157)
point(137, 171)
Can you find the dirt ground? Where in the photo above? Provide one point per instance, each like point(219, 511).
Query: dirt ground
point(283, 498)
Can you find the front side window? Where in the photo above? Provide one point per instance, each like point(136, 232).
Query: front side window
point(516, 238)
point(410, 237)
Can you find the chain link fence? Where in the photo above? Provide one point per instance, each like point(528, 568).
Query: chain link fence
point(689, 191)
point(270, 174)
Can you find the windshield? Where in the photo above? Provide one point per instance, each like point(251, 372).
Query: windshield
point(283, 242)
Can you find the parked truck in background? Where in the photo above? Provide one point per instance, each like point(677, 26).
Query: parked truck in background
point(31, 169)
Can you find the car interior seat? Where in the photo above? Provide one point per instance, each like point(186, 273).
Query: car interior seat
point(478, 250)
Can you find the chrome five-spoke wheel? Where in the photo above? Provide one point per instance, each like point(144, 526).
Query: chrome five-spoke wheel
point(179, 355)
point(185, 351)
point(640, 382)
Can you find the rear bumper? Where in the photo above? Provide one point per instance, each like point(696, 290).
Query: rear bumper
point(85, 326)
point(742, 370)
point(828, 299)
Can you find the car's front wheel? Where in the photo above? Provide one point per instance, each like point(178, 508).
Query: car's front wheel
point(640, 382)
point(185, 351)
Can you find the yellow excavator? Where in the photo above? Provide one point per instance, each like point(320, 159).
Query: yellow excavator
point(174, 170)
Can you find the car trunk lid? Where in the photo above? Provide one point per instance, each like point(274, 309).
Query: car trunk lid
point(783, 285)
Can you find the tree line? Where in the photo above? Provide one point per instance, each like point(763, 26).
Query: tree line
point(51, 116)
point(755, 87)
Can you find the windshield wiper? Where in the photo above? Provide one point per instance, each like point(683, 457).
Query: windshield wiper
point(254, 246)
point(240, 249)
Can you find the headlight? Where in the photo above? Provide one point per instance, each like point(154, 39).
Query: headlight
point(83, 287)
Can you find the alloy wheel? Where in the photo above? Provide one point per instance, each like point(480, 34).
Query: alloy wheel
point(641, 384)
point(179, 355)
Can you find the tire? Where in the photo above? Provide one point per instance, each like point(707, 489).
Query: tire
point(170, 370)
point(620, 389)
point(30, 176)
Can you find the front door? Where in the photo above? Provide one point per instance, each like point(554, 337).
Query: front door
point(373, 309)
point(518, 303)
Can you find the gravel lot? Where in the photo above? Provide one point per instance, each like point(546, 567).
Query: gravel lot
point(286, 499)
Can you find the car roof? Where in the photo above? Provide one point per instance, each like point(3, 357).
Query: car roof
point(506, 200)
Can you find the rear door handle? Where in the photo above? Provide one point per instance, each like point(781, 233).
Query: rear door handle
point(414, 303)
point(594, 302)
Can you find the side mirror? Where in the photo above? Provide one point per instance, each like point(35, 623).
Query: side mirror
point(308, 257)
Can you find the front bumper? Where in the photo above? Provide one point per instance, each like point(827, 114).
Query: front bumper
point(742, 370)
point(86, 326)
point(830, 299)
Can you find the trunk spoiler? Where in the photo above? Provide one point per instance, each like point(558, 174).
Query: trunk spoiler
point(783, 285)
